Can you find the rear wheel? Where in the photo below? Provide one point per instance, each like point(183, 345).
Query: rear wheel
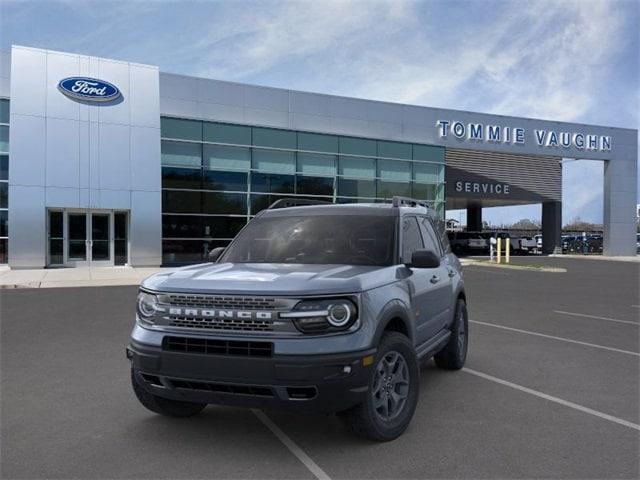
point(393, 392)
point(454, 354)
point(164, 406)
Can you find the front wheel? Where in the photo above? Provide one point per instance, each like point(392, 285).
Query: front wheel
point(393, 392)
point(454, 354)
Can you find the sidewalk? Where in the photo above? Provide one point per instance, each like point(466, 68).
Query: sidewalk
point(74, 277)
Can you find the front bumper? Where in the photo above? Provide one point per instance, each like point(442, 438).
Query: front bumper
point(314, 383)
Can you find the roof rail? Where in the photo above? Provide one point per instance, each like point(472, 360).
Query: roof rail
point(409, 202)
point(295, 202)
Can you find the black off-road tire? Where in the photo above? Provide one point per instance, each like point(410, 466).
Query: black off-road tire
point(364, 420)
point(454, 354)
point(164, 406)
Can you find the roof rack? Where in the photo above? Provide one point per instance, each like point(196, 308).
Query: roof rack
point(409, 202)
point(296, 202)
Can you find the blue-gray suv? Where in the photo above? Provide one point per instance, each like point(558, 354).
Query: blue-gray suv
point(313, 307)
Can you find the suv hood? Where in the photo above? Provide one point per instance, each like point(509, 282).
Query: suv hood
point(271, 279)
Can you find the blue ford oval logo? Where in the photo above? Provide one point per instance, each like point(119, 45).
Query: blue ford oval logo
point(89, 89)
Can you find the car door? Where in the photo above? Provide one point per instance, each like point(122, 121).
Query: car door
point(422, 287)
point(443, 285)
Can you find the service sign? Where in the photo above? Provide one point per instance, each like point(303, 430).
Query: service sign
point(88, 89)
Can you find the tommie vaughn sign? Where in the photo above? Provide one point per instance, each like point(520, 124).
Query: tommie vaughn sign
point(478, 132)
point(88, 89)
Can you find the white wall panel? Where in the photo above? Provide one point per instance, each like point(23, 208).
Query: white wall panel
point(115, 199)
point(144, 98)
point(118, 74)
point(145, 155)
point(266, 98)
point(28, 226)
point(115, 156)
point(63, 153)
point(27, 142)
point(223, 93)
point(59, 66)
point(29, 81)
point(62, 197)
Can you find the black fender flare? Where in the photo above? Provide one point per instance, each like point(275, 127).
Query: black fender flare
point(392, 310)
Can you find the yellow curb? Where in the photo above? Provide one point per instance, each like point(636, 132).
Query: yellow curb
point(481, 263)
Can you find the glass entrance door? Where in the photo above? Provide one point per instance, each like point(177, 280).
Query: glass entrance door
point(77, 240)
point(100, 241)
point(87, 238)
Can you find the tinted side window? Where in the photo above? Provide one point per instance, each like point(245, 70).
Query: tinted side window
point(411, 238)
point(430, 240)
point(441, 230)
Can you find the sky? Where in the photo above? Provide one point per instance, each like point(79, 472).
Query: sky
point(558, 60)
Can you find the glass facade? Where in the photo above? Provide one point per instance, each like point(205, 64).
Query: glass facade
point(216, 176)
point(4, 180)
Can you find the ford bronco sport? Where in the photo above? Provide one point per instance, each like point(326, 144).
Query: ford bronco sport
point(322, 308)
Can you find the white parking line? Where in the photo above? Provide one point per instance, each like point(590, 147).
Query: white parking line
point(551, 398)
point(292, 446)
point(608, 319)
point(563, 339)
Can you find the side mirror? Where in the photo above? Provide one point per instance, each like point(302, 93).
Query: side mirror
point(424, 259)
point(215, 254)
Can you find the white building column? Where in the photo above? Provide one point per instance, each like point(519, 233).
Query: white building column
point(620, 199)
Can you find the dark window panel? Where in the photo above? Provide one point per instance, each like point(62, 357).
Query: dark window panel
point(181, 226)
point(394, 150)
point(214, 202)
point(4, 223)
point(424, 191)
point(56, 252)
point(4, 251)
point(272, 183)
point(227, 158)
point(174, 201)
point(4, 111)
point(428, 153)
point(186, 226)
point(217, 180)
point(271, 137)
point(181, 154)
point(356, 188)
point(183, 252)
point(4, 139)
point(4, 195)
point(358, 146)
point(389, 189)
point(173, 177)
point(178, 128)
point(225, 133)
point(55, 225)
point(4, 167)
point(314, 185)
point(120, 243)
point(317, 143)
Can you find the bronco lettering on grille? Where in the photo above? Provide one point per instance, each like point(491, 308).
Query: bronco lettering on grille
point(212, 313)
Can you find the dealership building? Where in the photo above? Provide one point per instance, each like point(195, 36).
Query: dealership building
point(107, 162)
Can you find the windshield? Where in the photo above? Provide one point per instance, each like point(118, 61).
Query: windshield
point(333, 239)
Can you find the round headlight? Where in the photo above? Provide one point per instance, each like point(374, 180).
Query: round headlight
point(339, 314)
point(146, 305)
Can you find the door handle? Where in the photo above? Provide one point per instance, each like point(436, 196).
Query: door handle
point(452, 273)
point(435, 279)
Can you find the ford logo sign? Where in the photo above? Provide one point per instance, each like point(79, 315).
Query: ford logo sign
point(89, 89)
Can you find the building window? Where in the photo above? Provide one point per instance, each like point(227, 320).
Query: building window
point(216, 176)
point(4, 181)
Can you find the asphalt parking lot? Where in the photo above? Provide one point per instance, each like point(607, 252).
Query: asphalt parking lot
point(551, 390)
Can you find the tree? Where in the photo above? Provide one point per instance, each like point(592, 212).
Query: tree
point(526, 224)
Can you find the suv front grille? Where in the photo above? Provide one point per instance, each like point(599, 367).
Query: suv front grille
point(235, 389)
point(217, 347)
point(222, 302)
point(233, 324)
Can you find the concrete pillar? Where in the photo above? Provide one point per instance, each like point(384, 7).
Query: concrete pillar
point(620, 198)
point(474, 218)
point(552, 227)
